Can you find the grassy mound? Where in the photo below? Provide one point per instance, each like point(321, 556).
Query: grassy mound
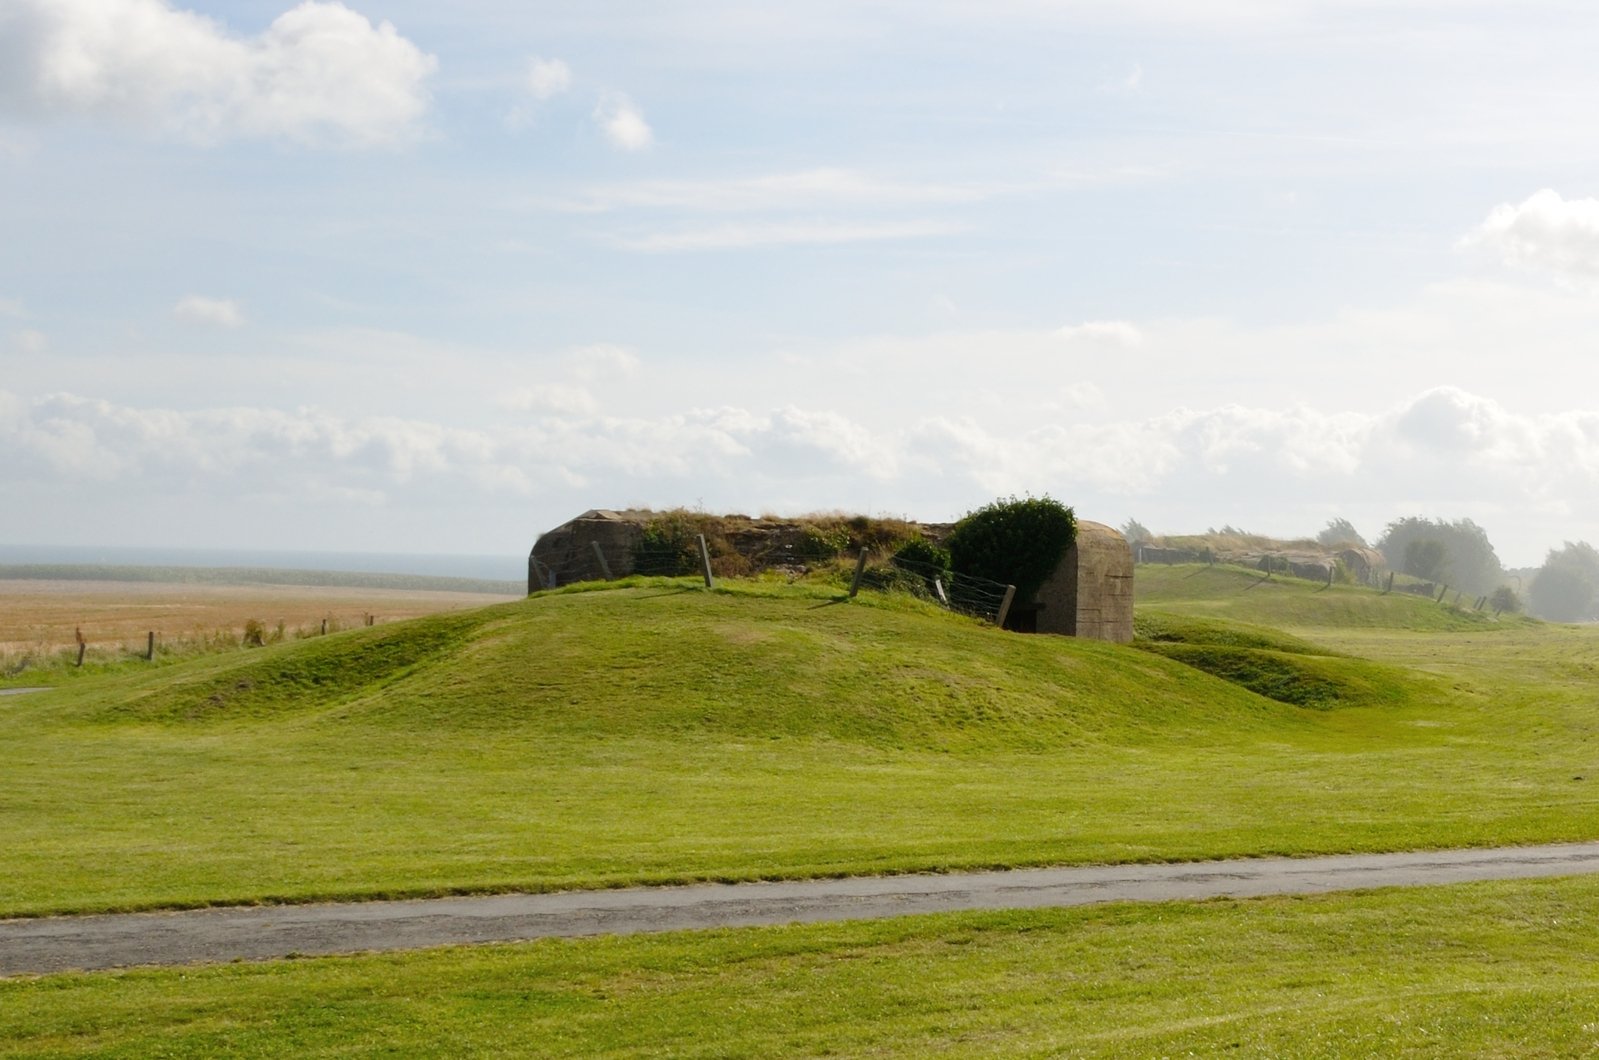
point(659, 659)
point(1277, 665)
point(1161, 627)
point(296, 677)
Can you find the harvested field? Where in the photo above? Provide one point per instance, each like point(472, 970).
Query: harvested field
point(42, 616)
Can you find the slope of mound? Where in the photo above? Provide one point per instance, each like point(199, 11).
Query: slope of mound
point(1242, 595)
point(660, 660)
point(1277, 665)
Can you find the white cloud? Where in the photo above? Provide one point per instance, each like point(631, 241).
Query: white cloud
point(1084, 396)
point(320, 72)
point(802, 189)
point(623, 123)
point(197, 309)
point(1109, 332)
point(548, 78)
point(1534, 478)
point(788, 233)
point(12, 307)
point(559, 398)
point(602, 363)
point(1546, 233)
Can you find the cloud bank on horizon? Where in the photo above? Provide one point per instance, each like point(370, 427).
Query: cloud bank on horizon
point(401, 277)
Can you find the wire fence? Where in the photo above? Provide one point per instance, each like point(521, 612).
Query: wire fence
point(595, 562)
point(963, 593)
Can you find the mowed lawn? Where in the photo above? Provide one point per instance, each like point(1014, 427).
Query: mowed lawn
point(655, 732)
point(1502, 969)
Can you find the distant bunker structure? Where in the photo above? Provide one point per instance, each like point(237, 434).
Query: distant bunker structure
point(1090, 593)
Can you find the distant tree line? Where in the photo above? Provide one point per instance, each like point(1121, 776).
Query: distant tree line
point(1566, 587)
point(1458, 554)
point(1455, 553)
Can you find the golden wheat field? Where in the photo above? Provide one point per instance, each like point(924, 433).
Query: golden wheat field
point(43, 616)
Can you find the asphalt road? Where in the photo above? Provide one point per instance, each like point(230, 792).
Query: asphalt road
point(53, 944)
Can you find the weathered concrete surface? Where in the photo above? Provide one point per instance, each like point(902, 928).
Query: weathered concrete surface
point(55, 944)
point(1091, 592)
point(566, 554)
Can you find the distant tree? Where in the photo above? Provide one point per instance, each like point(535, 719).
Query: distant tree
point(1136, 533)
point(1565, 587)
point(1426, 558)
point(1469, 562)
point(1340, 532)
point(1505, 598)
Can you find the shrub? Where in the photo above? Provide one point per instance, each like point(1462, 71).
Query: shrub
point(1505, 598)
point(1017, 542)
point(823, 540)
point(731, 565)
point(668, 545)
point(254, 633)
point(919, 552)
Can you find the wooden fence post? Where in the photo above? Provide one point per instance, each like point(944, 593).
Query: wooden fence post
point(599, 554)
point(83, 645)
point(705, 561)
point(1004, 606)
point(149, 653)
point(860, 568)
point(324, 627)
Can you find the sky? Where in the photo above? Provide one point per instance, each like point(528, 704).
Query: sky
point(418, 277)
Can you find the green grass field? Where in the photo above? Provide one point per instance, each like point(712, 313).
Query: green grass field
point(654, 732)
point(659, 733)
point(1500, 969)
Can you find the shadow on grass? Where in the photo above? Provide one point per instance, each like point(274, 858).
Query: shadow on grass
point(673, 592)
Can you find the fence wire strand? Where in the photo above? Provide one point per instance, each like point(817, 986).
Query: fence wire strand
point(963, 593)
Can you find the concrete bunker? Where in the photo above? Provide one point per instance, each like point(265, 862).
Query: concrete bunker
point(1089, 594)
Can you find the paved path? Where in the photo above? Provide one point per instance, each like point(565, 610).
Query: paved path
point(53, 944)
